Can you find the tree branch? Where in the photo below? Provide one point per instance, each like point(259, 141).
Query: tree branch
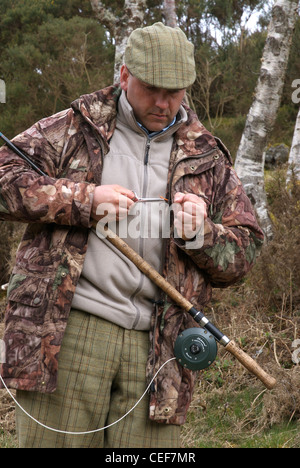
point(105, 17)
point(121, 27)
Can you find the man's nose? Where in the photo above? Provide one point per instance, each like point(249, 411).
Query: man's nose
point(161, 101)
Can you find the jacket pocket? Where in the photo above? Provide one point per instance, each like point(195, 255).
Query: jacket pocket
point(28, 290)
point(195, 165)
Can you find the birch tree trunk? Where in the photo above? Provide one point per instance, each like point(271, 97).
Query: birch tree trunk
point(170, 13)
point(261, 118)
point(294, 158)
point(2, 92)
point(120, 27)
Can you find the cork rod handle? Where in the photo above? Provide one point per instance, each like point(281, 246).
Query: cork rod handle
point(251, 365)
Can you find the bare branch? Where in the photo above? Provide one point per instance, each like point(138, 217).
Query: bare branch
point(105, 17)
point(121, 27)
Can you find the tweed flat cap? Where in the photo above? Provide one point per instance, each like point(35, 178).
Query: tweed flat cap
point(161, 56)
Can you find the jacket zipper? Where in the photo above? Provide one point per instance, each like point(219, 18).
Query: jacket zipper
point(144, 190)
point(144, 208)
point(146, 158)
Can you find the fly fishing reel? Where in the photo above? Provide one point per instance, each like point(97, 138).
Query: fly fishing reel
point(195, 349)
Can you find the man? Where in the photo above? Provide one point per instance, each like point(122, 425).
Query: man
point(80, 314)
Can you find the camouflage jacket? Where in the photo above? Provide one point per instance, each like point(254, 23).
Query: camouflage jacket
point(70, 147)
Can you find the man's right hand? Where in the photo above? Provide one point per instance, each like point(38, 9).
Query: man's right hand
point(112, 202)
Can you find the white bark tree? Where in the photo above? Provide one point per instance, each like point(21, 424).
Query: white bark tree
point(294, 157)
point(261, 118)
point(120, 27)
point(2, 92)
point(169, 11)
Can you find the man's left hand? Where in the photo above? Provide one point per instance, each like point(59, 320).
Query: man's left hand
point(190, 215)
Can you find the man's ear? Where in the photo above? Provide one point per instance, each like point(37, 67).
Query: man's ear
point(124, 76)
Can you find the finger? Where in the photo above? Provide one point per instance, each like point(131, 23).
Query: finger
point(195, 211)
point(199, 210)
point(188, 225)
point(185, 231)
point(185, 217)
point(121, 214)
point(125, 192)
point(178, 197)
point(125, 202)
point(192, 197)
point(189, 207)
point(186, 220)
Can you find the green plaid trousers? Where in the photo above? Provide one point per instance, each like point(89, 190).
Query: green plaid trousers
point(101, 377)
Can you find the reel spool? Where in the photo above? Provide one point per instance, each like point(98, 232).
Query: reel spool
point(195, 349)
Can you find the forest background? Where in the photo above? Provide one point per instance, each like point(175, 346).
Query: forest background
point(52, 51)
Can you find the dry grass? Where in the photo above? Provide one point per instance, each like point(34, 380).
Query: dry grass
point(267, 338)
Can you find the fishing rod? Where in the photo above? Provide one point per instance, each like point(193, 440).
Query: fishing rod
point(195, 348)
point(22, 155)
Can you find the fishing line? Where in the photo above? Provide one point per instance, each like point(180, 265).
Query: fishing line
point(86, 432)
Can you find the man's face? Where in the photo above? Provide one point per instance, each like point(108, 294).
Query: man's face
point(154, 108)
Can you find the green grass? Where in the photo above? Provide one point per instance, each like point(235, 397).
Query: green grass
point(233, 420)
point(8, 440)
point(210, 433)
point(277, 437)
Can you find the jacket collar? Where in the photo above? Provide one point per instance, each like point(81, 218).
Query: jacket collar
point(127, 117)
point(99, 110)
point(192, 137)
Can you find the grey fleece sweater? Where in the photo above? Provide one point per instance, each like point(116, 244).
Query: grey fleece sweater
point(110, 286)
